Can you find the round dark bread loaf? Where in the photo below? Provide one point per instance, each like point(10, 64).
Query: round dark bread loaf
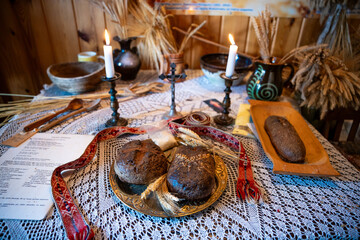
point(191, 174)
point(285, 139)
point(140, 162)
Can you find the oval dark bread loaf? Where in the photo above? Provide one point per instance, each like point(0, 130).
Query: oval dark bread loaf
point(285, 139)
point(140, 162)
point(191, 174)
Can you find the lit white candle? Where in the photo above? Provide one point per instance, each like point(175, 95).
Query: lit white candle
point(230, 66)
point(108, 57)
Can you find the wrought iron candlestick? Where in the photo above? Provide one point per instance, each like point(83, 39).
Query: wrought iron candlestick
point(172, 78)
point(224, 119)
point(115, 120)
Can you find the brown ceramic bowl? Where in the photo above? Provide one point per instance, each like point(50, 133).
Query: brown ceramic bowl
point(76, 77)
point(215, 63)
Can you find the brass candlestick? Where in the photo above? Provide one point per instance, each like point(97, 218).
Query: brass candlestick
point(172, 78)
point(224, 119)
point(115, 120)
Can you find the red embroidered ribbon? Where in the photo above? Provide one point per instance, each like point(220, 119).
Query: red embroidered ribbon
point(246, 187)
point(74, 223)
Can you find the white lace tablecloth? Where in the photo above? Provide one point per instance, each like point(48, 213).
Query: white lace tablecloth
point(294, 206)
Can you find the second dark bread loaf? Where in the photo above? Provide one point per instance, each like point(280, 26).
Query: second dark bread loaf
point(285, 139)
point(191, 174)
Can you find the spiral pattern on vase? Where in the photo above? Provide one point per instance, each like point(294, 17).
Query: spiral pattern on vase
point(267, 91)
point(264, 91)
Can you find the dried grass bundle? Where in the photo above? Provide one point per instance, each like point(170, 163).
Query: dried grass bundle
point(157, 38)
point(150, 25)
point(354, 63)
point(327, 7)
point(118, 12)
point(265, 28)
point(324, 80)
point(41, 104)
point(301, 50)
point(138, 18)
point(336, 33)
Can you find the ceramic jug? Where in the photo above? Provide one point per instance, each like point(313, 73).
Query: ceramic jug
point(126, 60)
point(266, 82)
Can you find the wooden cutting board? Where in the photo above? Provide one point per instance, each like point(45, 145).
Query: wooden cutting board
point(316, 160)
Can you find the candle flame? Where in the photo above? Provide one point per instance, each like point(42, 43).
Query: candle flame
point(231, 39)
point(107, 38)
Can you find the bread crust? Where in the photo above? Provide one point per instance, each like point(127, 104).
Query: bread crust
point(191, 174)
point(140, 162)
point(285, 139)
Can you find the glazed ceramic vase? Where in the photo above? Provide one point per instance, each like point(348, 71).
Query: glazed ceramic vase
point(266, 83)
point(126, 59)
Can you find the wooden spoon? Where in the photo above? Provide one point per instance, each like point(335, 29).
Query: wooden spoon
point(74, 104)
point(88, 107)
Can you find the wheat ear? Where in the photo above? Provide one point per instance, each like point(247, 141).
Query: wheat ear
point(153, 187)
point(167, 200)
point(189, 132)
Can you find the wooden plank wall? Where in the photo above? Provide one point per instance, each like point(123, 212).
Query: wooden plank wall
point(38, 33)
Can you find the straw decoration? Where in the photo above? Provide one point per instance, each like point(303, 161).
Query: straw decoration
point(150, 25)
point(156, 35)
point(32, 105)
point(336, 30)
point(265, 28)
point(324, 81)
point(118, 12)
